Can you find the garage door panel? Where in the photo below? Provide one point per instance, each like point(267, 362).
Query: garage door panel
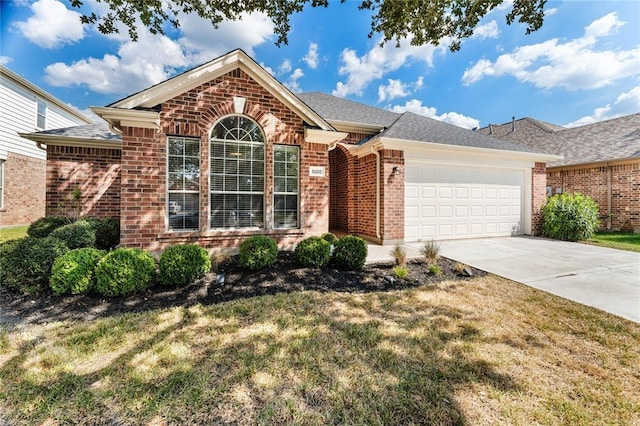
point(461, 202)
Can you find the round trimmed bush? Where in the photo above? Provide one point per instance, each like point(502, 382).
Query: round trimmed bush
point(258, 252)
point(350, 253)
point(74, 271)
point(313, 251)
point(46, 225)
point(76, 235)
point(570, 217)
point(329, 237)
point(28, 266)
point(6, 250)
point(183, 264)
point(107, 232)
point(124, 270)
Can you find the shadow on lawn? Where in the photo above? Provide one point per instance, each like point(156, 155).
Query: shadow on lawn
point(392, 363)
point(284, 277)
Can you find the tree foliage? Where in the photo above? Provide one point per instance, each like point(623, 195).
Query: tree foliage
point(420, 21)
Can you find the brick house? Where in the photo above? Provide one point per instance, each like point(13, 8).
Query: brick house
point(601, 160)
point(224, 151)
point(24, 107)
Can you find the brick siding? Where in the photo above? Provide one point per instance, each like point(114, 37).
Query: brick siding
point(538, 196)
point(193, 114)
point(95, 171)
point(592, 181)
point(24, 190)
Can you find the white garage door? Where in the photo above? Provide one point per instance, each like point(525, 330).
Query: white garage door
point(447, 202)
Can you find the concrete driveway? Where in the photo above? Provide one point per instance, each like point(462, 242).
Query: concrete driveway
point(605, 278)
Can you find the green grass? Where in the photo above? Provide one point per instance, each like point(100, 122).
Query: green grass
point(617, 240)
point(485, 351)
point(12, 233)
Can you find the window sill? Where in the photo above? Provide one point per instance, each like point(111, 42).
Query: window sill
point(224, 235)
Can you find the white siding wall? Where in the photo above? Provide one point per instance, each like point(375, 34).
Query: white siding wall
point(18, 114)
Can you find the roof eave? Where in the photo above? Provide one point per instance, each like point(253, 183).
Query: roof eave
point(608, 162)
point(402, 144)
point(55, 140)
point(355, 127)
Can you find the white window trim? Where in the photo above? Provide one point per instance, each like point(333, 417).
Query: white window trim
point(199, 192)
point(297, 193)
point(38, 115)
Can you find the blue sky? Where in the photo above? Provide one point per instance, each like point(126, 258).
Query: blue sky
point(583, 66)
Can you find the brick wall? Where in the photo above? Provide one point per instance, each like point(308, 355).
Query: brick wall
point(96, 172)
point(24, 190)
point(392, 196)
point(538, 196)
point(340, 188)
point(593, 181)
point(193, 114)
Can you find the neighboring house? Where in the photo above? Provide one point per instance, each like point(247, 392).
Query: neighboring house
point(25, 107)
point(225, 151)
point(601, 160)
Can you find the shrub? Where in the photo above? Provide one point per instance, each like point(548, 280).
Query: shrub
point(399, 254)
point(329, 237)
point(74, 271)
point(314, 252)
point(123, 271)
point(6, 250)
point(107, 232)
point(258, 252)
point(46, 225)
point(350, 253)
point(435, 269)
point(76, 235)
point(401, 272)
point(28, 266)
point(570, 217)
point(430, 251)
point(183, 264)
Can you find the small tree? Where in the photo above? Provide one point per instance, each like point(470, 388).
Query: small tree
point(570, 217)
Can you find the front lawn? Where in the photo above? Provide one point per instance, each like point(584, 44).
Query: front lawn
point(481, 351)
point(12, 233)
point(617, 240)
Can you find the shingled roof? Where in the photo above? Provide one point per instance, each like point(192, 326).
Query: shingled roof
point(334, 108)
point(414, 127)
point(614, 139)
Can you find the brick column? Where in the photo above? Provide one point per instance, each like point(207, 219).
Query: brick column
point(538, 196)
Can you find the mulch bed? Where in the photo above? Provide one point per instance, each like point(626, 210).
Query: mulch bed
point(283, 277)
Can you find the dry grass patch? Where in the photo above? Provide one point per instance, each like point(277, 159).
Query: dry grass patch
point(485, 351)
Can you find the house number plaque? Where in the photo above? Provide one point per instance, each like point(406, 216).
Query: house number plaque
point(316, 171)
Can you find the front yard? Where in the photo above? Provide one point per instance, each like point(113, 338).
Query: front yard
point(478, 351)
point(617, 240)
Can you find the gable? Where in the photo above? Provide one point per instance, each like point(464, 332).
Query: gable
point(153, 96)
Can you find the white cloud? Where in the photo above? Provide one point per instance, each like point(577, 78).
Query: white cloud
point(205, 42)
point(4, 60)
point(627, 103)
point(457, 119)
point(311, 58)
point(154, 58)
point(138, 65)
point(506, 4)
point(268, 69)
point(488, 30)
point(395, 89)
point(285, 67)
point(51, 25)
point(293, 82)
point(576, 64)
point(419, 83)
point(361, 71)
point(550, 12)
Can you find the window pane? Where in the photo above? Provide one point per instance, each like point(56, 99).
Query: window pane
point(286, 181)
point(237, 174)
point(184, 211)
point(183, 186)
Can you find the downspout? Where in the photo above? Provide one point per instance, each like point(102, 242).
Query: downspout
point(377, 154)
point(608, 196)
point(39, 145)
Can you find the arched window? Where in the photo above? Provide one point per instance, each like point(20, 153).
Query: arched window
point(237, 173)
